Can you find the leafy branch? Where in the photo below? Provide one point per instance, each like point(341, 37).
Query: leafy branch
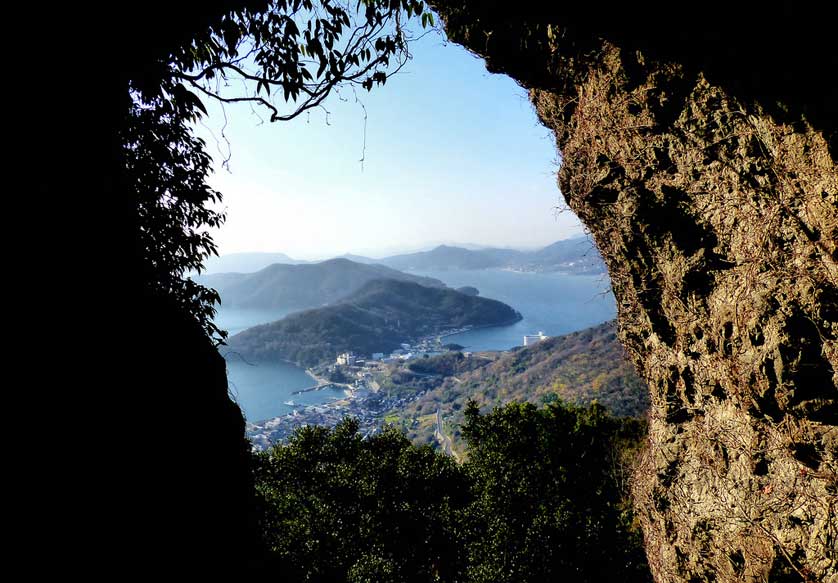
point(300, 49)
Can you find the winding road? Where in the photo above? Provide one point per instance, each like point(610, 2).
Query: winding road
point(443, 439)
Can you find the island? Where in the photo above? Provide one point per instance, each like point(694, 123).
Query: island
point(299, 287)
point(576, 256)
point(378, 318)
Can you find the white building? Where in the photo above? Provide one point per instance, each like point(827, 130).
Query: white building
point(531, 339)
point(347, 359)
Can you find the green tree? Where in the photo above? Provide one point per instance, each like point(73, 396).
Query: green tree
point(338, 507)
point(539, 499)
point(548, 502)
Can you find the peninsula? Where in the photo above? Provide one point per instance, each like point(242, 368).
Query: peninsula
point(378, 318)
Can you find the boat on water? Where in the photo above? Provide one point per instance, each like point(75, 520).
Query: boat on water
point(290, 403)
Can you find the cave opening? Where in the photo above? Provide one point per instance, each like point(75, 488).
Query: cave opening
point(657, 308)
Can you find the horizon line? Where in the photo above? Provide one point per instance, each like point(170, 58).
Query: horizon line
point(371, 254)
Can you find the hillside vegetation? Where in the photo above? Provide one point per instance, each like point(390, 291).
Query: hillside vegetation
point(376, 318)
point(299, 287)
point(579, 368)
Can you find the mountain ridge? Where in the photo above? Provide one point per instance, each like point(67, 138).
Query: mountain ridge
point(247, 262)
point(378, 317)
point(302, 286)
point(576, 255)
point(558, 256)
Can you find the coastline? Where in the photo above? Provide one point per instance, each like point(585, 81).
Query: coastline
point(321, 384)
point(443, 334)
point(518, 317)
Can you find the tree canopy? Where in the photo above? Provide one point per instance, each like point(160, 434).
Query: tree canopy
point(550, 501)
point(541, 497)
point(338, 507)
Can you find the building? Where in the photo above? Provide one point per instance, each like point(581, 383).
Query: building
point(347, 359)
point(531, 339)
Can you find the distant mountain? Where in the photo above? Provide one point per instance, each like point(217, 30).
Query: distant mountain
point(245, 262)
point(577, 255)
point(378, 317)
point(299, 287)
point(358, 258)
point(445, 257)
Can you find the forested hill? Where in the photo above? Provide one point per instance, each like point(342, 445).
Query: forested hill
point(298, 287)
point(378, 317)
point(577, 368)
point(577, 255)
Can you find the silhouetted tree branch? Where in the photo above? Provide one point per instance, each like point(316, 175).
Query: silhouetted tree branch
point(304, 48)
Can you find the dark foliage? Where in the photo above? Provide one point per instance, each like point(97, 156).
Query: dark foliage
point(549, 503)
point(540, 498)
point(166, 168)
point(341, 508)
point(339, 376)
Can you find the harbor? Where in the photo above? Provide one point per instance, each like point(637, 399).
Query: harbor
point(321, 386)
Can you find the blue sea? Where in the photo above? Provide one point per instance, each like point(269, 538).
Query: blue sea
point(262, 389)
point(553, 303)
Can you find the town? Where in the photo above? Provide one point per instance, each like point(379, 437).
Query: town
point(369, 395)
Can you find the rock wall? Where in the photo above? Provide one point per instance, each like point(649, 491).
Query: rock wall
point(187, 498)
point(718, 220)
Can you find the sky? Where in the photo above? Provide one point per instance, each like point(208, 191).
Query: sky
point(451, 154)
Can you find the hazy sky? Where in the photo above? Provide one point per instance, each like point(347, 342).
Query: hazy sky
point(453, 154)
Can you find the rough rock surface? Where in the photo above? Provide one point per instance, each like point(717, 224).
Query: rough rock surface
point(719, 225)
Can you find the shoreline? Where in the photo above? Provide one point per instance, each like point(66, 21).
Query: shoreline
point(510, 322)
point(321, 384)
point(263, 424)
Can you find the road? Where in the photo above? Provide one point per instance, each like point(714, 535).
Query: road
point(443, 439)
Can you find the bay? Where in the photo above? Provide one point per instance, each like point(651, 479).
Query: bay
point(553, 303)
point(262, 389)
